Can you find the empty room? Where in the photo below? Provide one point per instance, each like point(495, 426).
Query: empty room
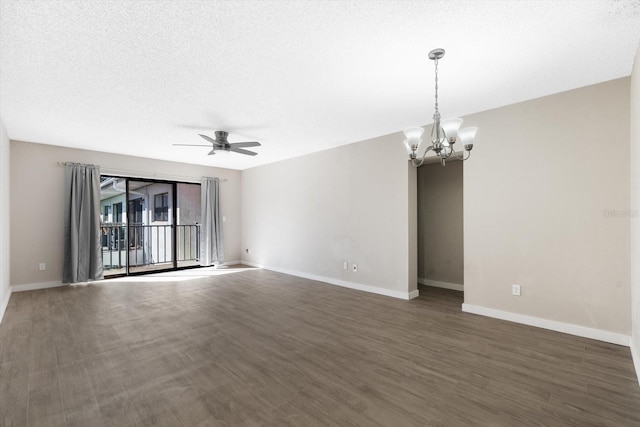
point(332, 213)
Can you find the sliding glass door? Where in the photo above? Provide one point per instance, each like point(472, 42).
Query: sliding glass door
point(149, 225)
point(188, 219)
point(113, 200)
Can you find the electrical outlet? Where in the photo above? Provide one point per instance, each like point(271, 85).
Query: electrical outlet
point(515, 290)
point(354, 267)
point(42, 266)
point(345, 265)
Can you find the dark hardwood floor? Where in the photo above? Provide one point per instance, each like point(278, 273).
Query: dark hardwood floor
point(258, 348)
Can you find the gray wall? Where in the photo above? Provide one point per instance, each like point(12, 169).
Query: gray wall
point(546, 199)
point(310, 214)
point(37, 183)
point(440, 225)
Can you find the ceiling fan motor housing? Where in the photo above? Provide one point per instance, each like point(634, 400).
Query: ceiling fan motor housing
point(221, 136)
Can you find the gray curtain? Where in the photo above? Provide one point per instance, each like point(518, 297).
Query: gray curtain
point(82, 234)
point(211, 250)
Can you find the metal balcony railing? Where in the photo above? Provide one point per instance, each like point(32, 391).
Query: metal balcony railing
point(146, 245)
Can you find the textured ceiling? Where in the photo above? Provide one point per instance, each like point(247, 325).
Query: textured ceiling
point(134, 77)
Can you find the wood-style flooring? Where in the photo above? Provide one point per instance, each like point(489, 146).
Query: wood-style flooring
point(258, 348)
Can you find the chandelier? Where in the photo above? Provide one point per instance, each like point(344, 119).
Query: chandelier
point(444, 133)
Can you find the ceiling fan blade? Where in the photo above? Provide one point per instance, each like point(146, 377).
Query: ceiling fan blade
point(211, 140)
point(212, 152)
point(190, 145)
point(246, 144)
point(241, 151)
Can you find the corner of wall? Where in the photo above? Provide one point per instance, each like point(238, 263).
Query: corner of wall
point(636, 359)
point(5, 253)
point(412, 187)
point(5, 303)
point(634, 205)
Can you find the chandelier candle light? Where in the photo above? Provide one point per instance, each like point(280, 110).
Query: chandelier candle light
point(443, 133)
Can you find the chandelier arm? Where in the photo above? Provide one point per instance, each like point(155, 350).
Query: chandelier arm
point(456, 154)
point(453, 153)
point(460, 155)
point(419, 163)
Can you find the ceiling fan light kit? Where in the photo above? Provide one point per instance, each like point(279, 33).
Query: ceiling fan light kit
point(444, 133)
point(220, 143)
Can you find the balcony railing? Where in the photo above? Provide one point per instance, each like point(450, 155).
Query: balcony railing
point(148, 245)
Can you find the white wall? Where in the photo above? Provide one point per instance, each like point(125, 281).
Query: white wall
point(37, 188)
point(546, 206)
point(440, 224)
point(310, 214)
point(635, 207)
point(5, 254)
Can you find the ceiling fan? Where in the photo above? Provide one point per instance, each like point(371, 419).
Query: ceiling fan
point(221, 143)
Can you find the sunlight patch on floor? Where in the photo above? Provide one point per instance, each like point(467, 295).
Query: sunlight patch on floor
point(182, 275)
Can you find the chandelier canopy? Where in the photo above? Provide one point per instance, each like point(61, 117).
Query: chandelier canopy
point(444, 133)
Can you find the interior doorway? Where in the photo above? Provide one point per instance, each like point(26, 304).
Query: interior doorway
point(440, 225)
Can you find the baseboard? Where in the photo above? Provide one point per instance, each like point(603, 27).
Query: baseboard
point(36, 286)
point(414, 294)
point(343, 283)
point(233, 262)
point(444, 285)
point(5, 304)
point(636, 359)
point(226, 263)
point(567, 328)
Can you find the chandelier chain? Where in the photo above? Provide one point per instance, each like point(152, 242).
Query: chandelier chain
point(436, 62)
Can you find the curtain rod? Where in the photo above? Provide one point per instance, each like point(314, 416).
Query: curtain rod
point(142, 174)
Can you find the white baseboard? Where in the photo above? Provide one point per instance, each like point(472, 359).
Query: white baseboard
point(567, 328)
point(444, 285)
point(337, 282)
point(36, 286)
point(636, 359)
point(5, 304)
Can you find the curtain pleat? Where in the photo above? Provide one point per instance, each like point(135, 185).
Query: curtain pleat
point(82, 236)
point(211, 250)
